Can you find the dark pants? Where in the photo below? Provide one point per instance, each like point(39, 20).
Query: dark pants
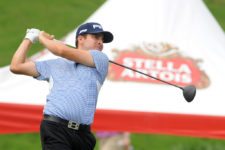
point(55, 136)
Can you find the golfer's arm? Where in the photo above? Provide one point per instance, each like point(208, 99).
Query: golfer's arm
point(60, 49)
point(19, 64)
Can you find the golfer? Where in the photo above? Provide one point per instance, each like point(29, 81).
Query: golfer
point(75, 79)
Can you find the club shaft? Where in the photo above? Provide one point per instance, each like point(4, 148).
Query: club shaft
point(144, 74)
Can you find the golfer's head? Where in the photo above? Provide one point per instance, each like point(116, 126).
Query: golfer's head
point(93, 28)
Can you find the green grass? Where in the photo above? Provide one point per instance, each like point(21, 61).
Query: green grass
point(217, 8)
point(60, 17)
point(20, 142)
point(166, 142)
point(139, 142)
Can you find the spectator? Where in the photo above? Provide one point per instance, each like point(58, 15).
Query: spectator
point(114, 140)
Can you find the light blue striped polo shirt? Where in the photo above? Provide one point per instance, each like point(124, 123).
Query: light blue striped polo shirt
point(74, 87)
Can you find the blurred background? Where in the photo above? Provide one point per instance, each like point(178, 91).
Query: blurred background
point(61, 17)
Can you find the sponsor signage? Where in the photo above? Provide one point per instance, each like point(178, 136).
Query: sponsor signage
point(162, 61)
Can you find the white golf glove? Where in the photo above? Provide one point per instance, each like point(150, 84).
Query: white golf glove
point(32, 35)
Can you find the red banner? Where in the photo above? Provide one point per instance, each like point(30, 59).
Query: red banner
point(17, 118)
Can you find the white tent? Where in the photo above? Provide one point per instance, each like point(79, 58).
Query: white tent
point(178, 41)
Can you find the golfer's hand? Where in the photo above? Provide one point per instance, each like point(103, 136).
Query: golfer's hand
point(32, 35)
point(46, 35)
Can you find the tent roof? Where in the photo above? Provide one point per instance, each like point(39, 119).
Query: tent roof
point(176, 40)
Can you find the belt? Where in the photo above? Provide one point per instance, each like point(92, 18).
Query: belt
point(69, 124)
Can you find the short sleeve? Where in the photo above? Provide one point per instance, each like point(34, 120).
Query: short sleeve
point(101, 62)
point(43, 68)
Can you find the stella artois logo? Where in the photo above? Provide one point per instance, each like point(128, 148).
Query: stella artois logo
point(162, 61)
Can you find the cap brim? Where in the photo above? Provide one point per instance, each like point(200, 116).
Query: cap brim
point(108, 37)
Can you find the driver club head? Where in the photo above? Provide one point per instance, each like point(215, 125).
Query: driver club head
point(189, 93)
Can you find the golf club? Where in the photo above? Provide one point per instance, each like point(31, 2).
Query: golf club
point(188, 91)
